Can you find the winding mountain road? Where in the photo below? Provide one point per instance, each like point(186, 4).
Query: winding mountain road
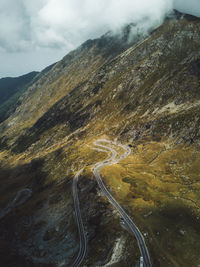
point(21, 197)
point(113, 159)
point(83, 239)
point(132, 227)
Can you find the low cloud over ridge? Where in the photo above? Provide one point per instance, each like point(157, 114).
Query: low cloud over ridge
point(66, 23)
point(36, 25)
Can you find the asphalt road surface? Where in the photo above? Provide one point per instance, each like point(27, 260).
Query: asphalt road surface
point(21, 197)
point(131, 226)
point(102, 145)
point(83, 239)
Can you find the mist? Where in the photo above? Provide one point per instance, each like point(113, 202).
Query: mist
point(44, 30)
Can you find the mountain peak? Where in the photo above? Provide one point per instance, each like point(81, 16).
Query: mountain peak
point(141, 92)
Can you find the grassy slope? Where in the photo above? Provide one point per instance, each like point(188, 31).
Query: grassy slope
point(160, 187)
point(147, 97)
point(10, 91)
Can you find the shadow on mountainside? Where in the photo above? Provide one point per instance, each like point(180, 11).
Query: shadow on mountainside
point(28, 234)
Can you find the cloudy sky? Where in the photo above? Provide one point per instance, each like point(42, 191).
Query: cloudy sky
point(36, 33)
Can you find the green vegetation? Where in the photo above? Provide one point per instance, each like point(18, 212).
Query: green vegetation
point(147, 97)
point(161, 194)
point(10, 91)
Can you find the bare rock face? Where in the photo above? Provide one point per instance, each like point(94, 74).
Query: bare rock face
point(145, 93)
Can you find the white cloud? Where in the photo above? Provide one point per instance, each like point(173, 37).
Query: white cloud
point(67, 23)
point(64, 24)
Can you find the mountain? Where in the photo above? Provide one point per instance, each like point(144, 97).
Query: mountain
point(143, 92)
point(10, 90)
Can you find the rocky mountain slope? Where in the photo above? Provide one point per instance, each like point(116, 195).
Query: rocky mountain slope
point(145, 93)
point(10, 90)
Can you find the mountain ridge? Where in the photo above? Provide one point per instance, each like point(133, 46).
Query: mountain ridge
point(144, 94)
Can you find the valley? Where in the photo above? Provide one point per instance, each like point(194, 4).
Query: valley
point(109, 132)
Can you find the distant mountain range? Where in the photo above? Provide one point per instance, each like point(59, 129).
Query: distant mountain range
point(12, 88)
